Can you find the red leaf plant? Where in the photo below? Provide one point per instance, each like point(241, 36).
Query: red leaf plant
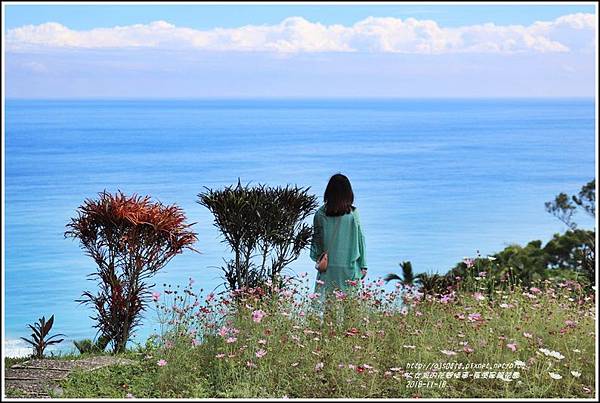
point(130, 238)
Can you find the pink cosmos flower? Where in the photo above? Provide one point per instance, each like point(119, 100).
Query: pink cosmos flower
point(469, 262)
point(223, 331)
point(161, 363)
point(474, 317)
point(535, 290)
point(527, 335)
point(261, 353)
point(219, 356)
point(258, 315)
point(478, 296)
point(468, 349)
point(155, 296)
point(339, 295)
point(313, 295)
point(320, 282)
point(168, 344)
point(195, 342)
point(129, 396)
point(210, 297)
point(418, 313)
point(352, 283)
point(250, 364)
point(231, 340)
point(512, 346)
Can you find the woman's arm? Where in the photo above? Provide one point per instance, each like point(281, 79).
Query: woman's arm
point(362, 249)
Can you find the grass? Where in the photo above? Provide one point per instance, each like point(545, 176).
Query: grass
point(361, 347)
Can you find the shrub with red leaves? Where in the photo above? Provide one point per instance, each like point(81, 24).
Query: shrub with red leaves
point(130, 238)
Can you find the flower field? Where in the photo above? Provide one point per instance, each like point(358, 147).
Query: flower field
point(470, 342)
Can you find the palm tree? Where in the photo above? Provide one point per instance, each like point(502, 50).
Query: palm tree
point(407, 278)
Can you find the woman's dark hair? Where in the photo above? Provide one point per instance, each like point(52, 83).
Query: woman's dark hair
point(338, 196)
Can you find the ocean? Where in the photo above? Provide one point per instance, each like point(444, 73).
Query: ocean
point(435, 180)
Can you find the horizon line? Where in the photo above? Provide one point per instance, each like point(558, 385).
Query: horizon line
point(292, 97)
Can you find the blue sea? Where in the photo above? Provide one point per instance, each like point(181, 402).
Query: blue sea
point(434, 180)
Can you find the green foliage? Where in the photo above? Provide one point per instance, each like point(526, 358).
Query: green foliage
point(586, 198)
point(39, 336)
point(562, 208)
point(264, 228)
point(10, 361)
point(407, 273)
point(88, 346)
point(113, 382)
point(576, 249)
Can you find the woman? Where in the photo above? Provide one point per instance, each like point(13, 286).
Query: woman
point(337, 232)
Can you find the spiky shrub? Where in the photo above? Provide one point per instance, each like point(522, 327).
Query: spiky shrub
point(130, 238)
point(39, 336)
point(264, 228)
point(87, 346)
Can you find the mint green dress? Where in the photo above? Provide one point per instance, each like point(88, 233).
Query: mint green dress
point(346, 255)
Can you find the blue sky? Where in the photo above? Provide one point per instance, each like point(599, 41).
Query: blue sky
point(343, 50)
point(209, 16)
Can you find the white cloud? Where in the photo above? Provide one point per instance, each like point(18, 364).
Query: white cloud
point(571, 32)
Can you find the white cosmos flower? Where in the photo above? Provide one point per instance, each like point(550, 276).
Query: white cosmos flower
point(492, 258)
point(519, 363)
point(554, 375)
point(550, 353)
point(576, 374)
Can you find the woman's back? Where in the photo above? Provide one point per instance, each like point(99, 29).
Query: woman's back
point(342, 238)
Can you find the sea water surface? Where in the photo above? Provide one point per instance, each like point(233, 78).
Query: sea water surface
point(434, 180)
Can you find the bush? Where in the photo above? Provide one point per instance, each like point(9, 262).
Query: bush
point(264, 228)
point(88, 346)
point(129, 238)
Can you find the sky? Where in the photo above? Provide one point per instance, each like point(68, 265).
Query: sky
point(284, 50)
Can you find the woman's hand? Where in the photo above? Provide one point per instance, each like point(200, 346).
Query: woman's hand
point(364, 272)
